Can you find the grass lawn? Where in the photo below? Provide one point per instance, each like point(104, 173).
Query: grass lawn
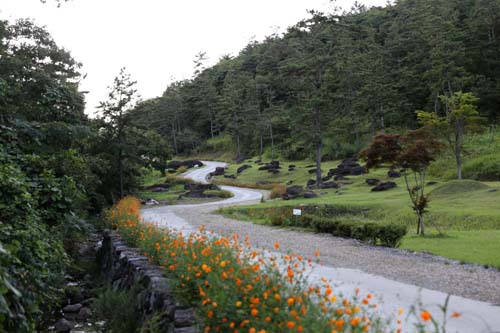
point(476, 246)
point(467, 212)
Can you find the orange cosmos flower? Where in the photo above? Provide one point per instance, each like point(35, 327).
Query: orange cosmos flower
point(425, 315)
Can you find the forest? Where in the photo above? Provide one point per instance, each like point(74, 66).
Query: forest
point(58, 168)
point(332, 81)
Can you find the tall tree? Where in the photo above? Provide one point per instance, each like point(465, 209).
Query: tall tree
point(313, 46)
point(461, 116)
point(122, 98)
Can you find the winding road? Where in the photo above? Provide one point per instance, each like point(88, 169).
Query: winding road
point(398, 278)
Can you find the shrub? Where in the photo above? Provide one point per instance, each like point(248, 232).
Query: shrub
point(484, 168)
point(119, 309)
point(218, 193)
point(277, 219)
point(366, 231)
point(278, 191)
point(182, 169)
point(391, 234)
point(172, 180)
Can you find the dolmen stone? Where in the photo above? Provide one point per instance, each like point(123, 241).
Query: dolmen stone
point(188, 164)
point(372, 181)
point(327, 185)
point(310, 195)
point(393, 174)
point(243, 168)
point(273, 165)
point(384, 186)
point(64, 325)
point(293, 192)
point(311, 182)
point(72, 308)
point(348, 167)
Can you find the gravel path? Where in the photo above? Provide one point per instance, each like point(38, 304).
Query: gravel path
point(383, 269)
point(418, 269)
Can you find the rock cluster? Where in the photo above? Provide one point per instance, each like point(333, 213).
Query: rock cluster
point(197, 190)
point(348, 167)
point(243, 168)
point(219, 171)
point(188, 164)
point(272, 167)
point(384, 186)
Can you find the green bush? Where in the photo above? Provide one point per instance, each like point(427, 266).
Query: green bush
point(483, 168)
point(366, 231)
point(218, 194)
point(119, 309)
point(391, 234)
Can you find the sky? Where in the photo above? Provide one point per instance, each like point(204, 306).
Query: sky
point(157, 40)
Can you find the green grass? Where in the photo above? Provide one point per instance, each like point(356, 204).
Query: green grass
point(299, 176)
point(477, 246)
point(467, 212)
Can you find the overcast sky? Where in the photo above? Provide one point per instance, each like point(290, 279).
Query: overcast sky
point(157, 40)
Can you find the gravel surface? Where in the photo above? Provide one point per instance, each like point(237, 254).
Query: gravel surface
point(422, 270)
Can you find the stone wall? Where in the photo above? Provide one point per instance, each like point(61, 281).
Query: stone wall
point(124, 267)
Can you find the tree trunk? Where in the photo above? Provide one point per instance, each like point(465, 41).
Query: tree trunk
point(356, 129)
point(319, 181)
point(175, 139)
point(238, 153)
point(272, 141)
point(261, 147)
point(458, 148)
point(458, 158)
point(237, 133)
point(421, 223)
point(211, 124)
point(319, 144)
point(382, 120)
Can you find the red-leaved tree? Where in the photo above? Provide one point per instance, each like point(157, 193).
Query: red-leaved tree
point(411, 152)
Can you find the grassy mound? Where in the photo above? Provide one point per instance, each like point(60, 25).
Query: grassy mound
point(458, 186)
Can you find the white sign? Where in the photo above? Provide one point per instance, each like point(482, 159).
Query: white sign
point(297, 212)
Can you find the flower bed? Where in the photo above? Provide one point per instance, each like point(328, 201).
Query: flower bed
point(238, 289)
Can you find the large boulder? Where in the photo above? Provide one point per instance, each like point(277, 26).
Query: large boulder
point(243, 168)
point(200, 187)
point(159, 189)
point(326, 185)
point(197, 190)
point(273, 165)
point(219, 171)
point(310, 195)
point(372, 181)
point(63, 325)
point(311, 182)
point(188, 164)
point(292, 192)
point(384, 186)
point(348, 167)
point(393, 174)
